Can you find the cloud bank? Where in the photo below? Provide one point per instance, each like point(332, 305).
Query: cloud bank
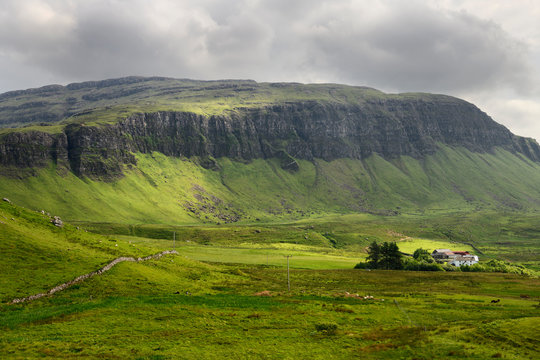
point(432, 46)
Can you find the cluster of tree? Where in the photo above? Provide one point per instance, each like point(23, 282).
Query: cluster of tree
point(422, 261)
point(387, 256)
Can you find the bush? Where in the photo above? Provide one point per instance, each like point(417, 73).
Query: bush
point(422, 255)
point(421, 265)
point(362, 265)
point(447, 267)
point(497, 266)
point(326, 328)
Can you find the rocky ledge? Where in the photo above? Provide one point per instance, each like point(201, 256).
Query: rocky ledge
point(390, 127)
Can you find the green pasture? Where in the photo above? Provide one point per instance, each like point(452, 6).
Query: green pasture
point(162, 310)
point(274, 254)
point(179, 307)
point(273, 257)
point(408, 245)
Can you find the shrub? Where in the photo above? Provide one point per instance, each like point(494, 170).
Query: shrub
point(344, 309)
point(421, 265)
point(447, 267)
point(497, 266)
point(326, 328)
point(422, 254)
point(362, 265)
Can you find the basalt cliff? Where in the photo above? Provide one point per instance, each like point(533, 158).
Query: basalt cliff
point(289, 129)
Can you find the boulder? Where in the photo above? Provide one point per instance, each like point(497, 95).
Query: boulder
point(57, 221)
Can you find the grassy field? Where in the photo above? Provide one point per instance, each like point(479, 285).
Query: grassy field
point(161, 311)
point(505, 236)
point(225, 295)
point(178, 307)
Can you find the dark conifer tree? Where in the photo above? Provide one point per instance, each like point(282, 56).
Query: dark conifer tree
point(392, 256)
point(374, 255)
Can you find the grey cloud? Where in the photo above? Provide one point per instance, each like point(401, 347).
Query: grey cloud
point(421, 50)
point(387, 44)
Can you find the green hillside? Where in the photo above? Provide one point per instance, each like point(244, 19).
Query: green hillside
point(37, 255)
point(177, 191)
point(339, 205)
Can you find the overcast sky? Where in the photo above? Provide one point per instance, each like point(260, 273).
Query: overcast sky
point(485, 51)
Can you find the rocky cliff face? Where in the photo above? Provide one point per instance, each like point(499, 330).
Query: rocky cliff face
point(32, 149)
point(304, 130)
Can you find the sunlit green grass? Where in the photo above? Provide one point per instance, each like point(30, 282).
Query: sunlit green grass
point(128, 313)
point(178, 307)
point(170, 190)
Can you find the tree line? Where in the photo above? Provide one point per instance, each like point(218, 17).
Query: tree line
point(386, 256)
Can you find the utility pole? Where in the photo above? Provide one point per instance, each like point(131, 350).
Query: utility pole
point(288, 275)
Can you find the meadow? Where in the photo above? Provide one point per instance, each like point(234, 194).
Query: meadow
point(226, 296)
point(215, 311)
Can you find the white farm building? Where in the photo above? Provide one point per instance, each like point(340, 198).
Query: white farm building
point(456, 258)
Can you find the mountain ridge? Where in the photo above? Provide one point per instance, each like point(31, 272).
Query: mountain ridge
point(351, 122)
point(228, 151)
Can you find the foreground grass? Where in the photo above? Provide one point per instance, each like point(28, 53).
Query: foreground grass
point(425, 316)
point(178, 307)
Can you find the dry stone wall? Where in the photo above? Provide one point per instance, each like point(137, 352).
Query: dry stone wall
point(89, 275)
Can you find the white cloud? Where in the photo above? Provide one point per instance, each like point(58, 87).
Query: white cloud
point(475, 49)
point(520, 115)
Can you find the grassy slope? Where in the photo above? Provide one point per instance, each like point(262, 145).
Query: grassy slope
point(162, 189)
point(30, 245)
point(36, 256)
point(132, 311)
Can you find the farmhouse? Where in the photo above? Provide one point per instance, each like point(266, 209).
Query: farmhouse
point(456, 258)
point(464, 260)
point(441, 254)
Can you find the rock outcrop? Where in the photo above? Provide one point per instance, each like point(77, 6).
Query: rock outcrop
point(56, 221)
point(389, 126)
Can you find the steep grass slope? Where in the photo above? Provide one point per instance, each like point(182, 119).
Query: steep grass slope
point(178, 191)
point(37, 256)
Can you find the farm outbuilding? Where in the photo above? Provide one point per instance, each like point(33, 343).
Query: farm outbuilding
point(455, 258)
